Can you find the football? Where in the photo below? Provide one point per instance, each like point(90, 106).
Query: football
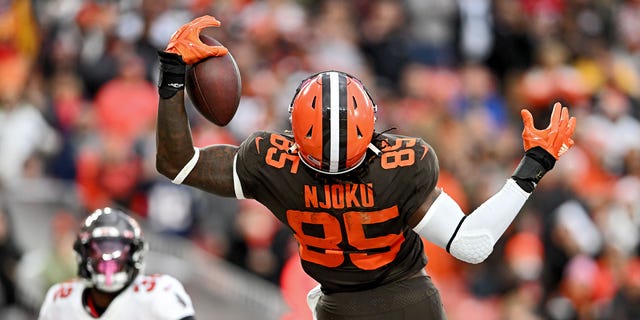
point(214, 84)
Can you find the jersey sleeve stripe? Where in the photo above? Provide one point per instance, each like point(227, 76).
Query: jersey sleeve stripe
point(237, 186)
point(187, 167)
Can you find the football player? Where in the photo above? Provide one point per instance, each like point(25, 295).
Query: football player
point(356, 200)
point(110, 251)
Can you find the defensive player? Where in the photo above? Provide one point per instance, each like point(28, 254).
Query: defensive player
point(356, 200)
point(110, 251)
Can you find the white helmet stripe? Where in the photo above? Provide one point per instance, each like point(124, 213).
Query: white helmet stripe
point(334, 83)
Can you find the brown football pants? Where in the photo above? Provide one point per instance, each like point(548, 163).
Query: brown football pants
point(411, 299)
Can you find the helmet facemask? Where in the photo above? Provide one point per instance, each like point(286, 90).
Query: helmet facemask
point(108, 263)
point(110, 250)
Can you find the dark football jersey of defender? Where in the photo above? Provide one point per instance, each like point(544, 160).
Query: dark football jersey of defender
point(351, 228)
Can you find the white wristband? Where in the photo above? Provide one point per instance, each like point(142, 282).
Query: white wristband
point(187, 167)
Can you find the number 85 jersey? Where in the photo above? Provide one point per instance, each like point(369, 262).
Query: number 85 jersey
point(351, 228)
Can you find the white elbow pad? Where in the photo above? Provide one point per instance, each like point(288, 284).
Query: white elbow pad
point(471, 238)
point(472, 247)
point(443, 225)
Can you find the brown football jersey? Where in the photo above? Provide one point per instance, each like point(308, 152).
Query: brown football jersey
point(351, 228)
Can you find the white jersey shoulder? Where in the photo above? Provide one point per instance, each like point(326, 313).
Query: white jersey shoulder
point(152, 297)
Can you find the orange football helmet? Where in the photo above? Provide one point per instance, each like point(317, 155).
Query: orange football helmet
point(332, 119)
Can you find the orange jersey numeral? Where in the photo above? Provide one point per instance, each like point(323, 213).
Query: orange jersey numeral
point(355, 222)
point(331, 255)
point(326, 251)
point(278, 155)
point(393, 156)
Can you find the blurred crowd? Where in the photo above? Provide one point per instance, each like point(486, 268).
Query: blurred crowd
point(78, 102)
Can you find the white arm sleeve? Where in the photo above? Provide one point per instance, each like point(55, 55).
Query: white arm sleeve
point(471, 238)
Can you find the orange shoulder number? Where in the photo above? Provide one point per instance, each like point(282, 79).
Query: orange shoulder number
point(277, 154)
point(399, 154)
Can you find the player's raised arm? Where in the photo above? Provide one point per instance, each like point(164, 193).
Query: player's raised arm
point(471, 237)
point(210, 168)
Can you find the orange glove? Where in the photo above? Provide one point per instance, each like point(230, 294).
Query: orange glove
point(556, 138)
point(186, 41)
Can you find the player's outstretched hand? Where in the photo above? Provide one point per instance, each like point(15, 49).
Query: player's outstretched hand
point(556, 138)
point(186, 41)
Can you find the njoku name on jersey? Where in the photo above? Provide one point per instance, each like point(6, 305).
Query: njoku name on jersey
point(147, 298)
